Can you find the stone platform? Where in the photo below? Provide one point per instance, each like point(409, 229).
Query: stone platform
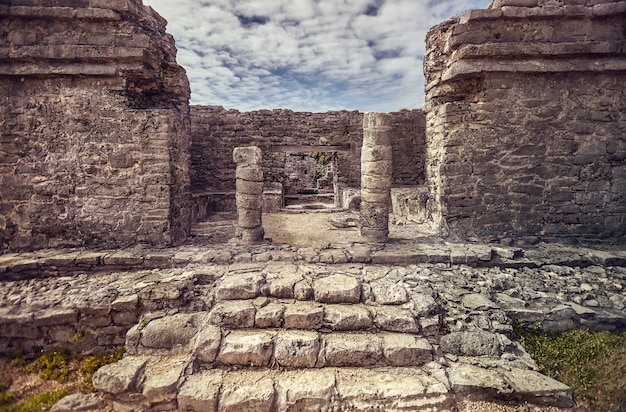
point(400, 326)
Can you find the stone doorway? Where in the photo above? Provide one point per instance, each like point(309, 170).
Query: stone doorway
point(310, 180)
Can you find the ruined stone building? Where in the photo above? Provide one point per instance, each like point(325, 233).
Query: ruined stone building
point(522, 136)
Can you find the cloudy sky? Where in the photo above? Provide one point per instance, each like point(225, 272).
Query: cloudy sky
point(306, 55)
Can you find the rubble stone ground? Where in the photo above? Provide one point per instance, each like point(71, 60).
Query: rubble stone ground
point(414, 324)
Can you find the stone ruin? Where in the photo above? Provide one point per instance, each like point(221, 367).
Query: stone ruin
point(106, 168)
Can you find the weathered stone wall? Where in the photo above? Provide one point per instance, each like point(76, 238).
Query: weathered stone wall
point(216, 132)
point(94, 124)
point(526, 121)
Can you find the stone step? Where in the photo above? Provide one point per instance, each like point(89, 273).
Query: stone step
point(170, 383)
point(213, 346)
point(421, 317)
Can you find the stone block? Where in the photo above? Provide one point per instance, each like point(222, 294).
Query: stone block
point(233, 314)
point(236, 286)
point(163, 386)
point(246, 187)
point(472, 343)
point(343, 349)
point(246, 349)
point(246, 156)
point(119, 377)
point(200, 391)
point(347, 317)
point(395, 319)
point(249, 173)
point(337, 289)
point(406, 350)
point(206, 343)
point(247, 391)
point(308, 390)
point(171, 331)
point(270, 316)
point(533, 387)
point(297, 349)
point(303, 315)
point(389, 293)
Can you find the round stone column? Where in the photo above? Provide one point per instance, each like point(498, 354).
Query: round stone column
point(376, 170)
point(249, 195)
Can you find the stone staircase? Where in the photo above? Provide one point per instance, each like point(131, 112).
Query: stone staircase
point(316, 338)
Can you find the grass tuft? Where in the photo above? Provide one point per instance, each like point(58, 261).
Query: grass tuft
point(593, 364)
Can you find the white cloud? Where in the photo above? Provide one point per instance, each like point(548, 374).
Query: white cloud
point(312, 55)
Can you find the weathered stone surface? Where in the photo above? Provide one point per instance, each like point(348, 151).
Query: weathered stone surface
point(240, 286)
point(347, 317)
point(472, 343)
point(395, 319)
point(270, 316)
point(467, 379)
point(343, 349)
point(283, 286)
point(161, 385)
point(236, 314)
point(303, 315)
point(401, 389)
point(533, 387)
point(247, 391)
point(389, 293)
point(78, 402)
point(297, 349)
point(476, 301)
point(207, 342)
point(200, 391)
point(246, 348)
point(171, 331)
point(337, 289)
point(119, 377)
point(406, 350)
point(305, 390)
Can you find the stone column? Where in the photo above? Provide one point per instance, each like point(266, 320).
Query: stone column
point(249, 195)
point(376, 169)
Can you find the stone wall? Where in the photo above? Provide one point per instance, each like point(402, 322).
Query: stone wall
point(526, 121)
point(216, 132)
point(94, 123)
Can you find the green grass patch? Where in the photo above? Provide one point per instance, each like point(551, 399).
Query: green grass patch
point(52, 366)
point(593, 364)
point(36, 403)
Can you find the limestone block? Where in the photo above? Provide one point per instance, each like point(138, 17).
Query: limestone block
point(78, 402)
point(379, 137)
point(337, 289)
point(170, 331)
point(378, 197)
point(247, 391)
point(249, 201)
point(382, 168)
point(240, 286)
point(303, 315)
point(270, 316)
point(297, 349)
point(162, 387)
point(249, 173)
point(343, 349)
point(246, 156)
point(476, 301)
point(376, 153)
point(246, 348)
point(246, 187)
point(378, 182)
point(466, 379)
point(283, 286)
point(249, 236)
point(233, 314)
point(303, 290)
point(400, 389)
point(533, 387)
point(347, 317)
point(200, 391)
point(424, 304)
point(207, 342)
point(472, 343)
point(248, 218)
point(119, 377)
point(406, 350)
point(308, 390)
point(395, 319)
point(389, 293)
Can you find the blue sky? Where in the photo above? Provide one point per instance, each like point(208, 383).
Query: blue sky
point(306, 55)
